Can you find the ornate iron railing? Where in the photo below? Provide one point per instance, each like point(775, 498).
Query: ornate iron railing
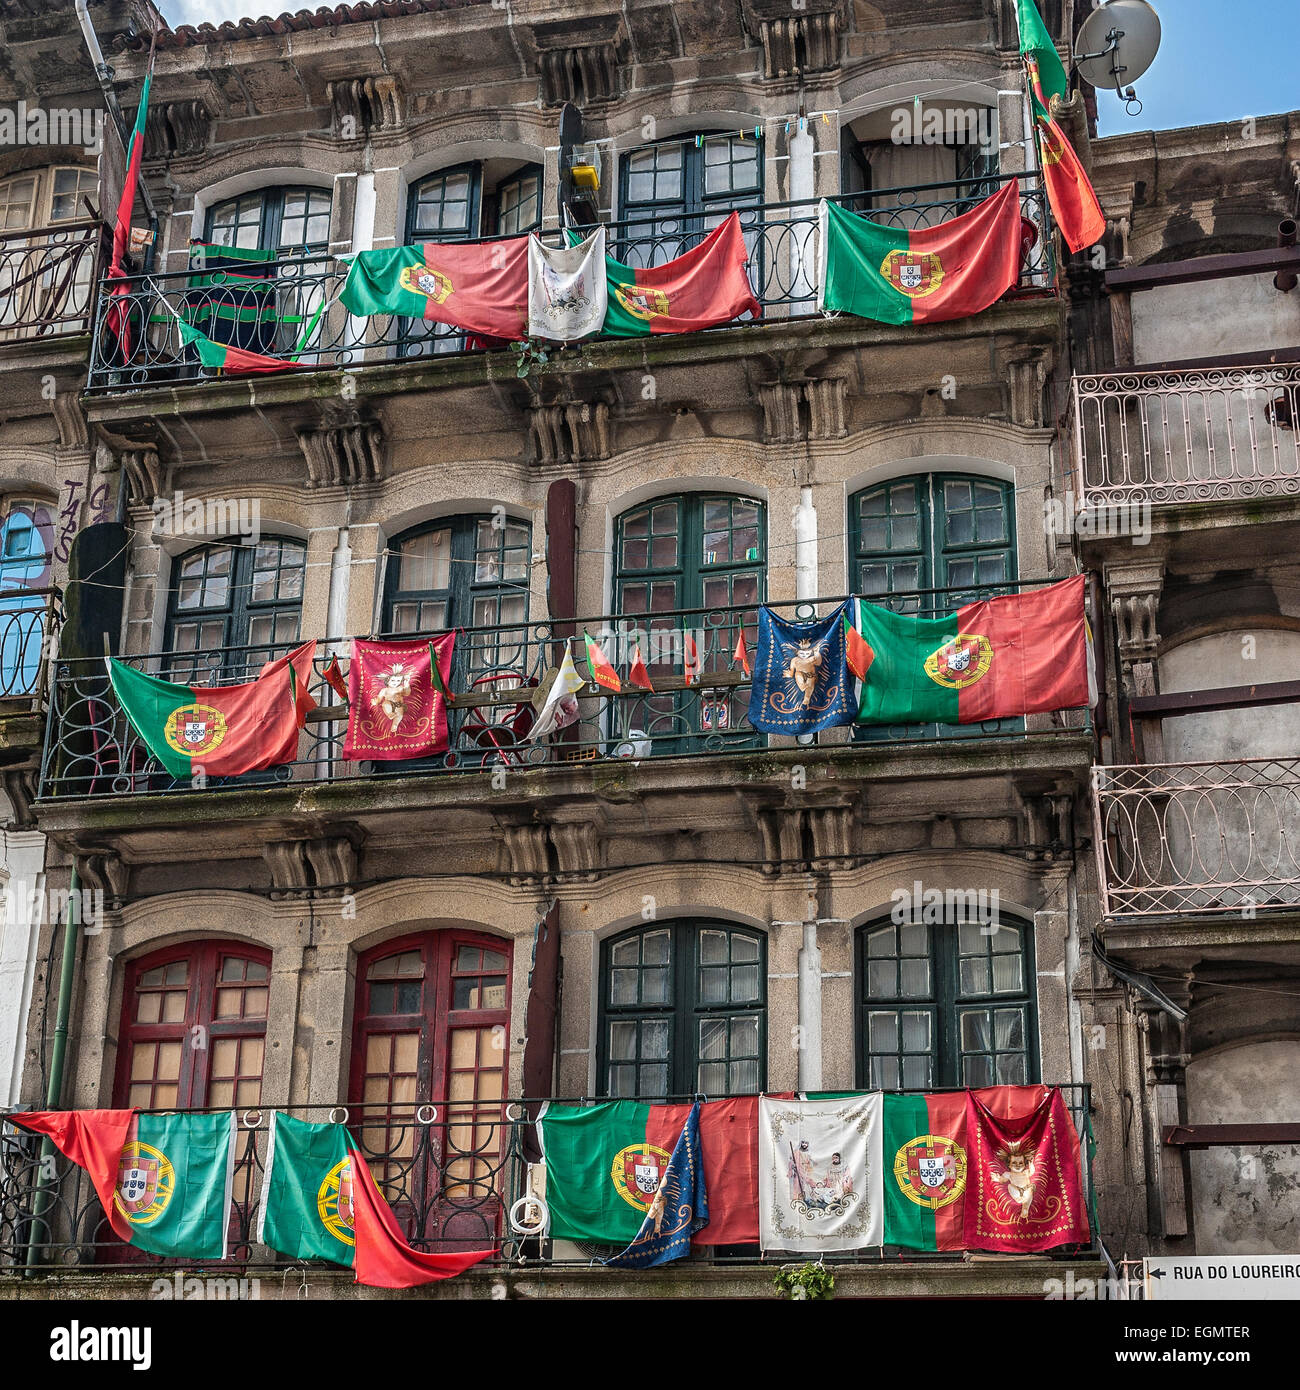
point(1219, 838)
point(1213, 434)
point(28, 619)
point(47, 280)
point(91, 750)
point(453, 1175)
point(288, 307)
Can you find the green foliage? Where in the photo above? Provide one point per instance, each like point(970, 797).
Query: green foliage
point(527, 355)
point(807, 1282)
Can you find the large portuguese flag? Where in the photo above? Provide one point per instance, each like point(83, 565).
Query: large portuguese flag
point(925, 1170)
point(224, 729)
point(702, 287)
point(895, 275)
point(481, 287)
point(604, 1163)
point(1022, 654)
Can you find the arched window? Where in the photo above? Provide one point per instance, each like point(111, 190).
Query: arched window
point(703, 551)
point(945, 1000)
point(683, 1010)
point(235, 606)
point(26, 550)
point(485, 198)
point(194, 1027)
point(674, 192)
point(432, 1029)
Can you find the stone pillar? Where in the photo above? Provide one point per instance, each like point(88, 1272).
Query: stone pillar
point(1134, 590)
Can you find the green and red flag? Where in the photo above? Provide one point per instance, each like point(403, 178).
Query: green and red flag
point(1022, 654)
point(604, 1164)
point(116, 314)
point(921, 275)
point(481, 287)
point(1036, 46)
point(1070, 193)
point(320, 1201)
point(225, 730)
point(703, 287)
point(602, 672)
point(227, 358)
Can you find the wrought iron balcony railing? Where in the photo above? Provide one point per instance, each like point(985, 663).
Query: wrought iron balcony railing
point(1220, 839)
point(47, 280)
point(28, 619)
point(1209, 435)
point(287, 307)
point(92, 751)
point(452, 1174)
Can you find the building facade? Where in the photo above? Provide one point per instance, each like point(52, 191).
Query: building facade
point(661, 902)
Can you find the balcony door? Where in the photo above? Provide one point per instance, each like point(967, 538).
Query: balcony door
point(430, 1054)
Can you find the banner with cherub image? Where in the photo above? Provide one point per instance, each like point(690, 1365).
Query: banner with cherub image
point(801, 681)
point(820, 1179)
point(1023, 1185)
point(395, 706)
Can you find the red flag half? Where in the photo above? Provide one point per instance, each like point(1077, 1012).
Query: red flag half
point(1069, 191)
point(857, 648)
point(384, 1260)
point(692, 666)
point(741, 653)
point(94, 1140)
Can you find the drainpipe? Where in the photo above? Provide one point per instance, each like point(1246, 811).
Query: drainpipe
point(805, 546)
point(54, 1089)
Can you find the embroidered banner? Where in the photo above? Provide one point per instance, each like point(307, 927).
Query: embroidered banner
point(801, 680)
point(394, 708)
point(820, 1174)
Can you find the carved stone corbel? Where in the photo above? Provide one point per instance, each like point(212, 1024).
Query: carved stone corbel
point(323, 863)
point(579, 61)
point(365, 105)
point(795, 41)
point(797, 410)
point(1026, 373)
point(102, 870)
point(20, 785)
point(569, 432)
point(346, 449)
point(69, 420)
point(782, 831)
point(1134, 591)
point(176, 128)
point(525, 852)
point(143, 468)
point(577, 847)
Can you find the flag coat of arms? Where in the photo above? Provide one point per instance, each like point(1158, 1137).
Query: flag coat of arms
point(604, 1164)
point(175, 1179)
point(801, 680)
point(678, 1208)
point(481, 287)
point(896, 275)
point(568, 289)
point(224, 729)
point(1021, 654)
point(1024, 1184)
point(820, 1175)
point(703, 287)
point(395, 708)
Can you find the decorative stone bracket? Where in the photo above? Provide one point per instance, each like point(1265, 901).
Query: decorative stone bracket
point(542, 850)
point(344, 450)
point(176, 128)
point(569, 432)
point(797, 410)
point(797, 839)
point(579, 62)
point(103, 871)
point(365, 105)
point(20, 787)
point(1134, 591)
point(144, 471)
point(325, 864)
point(1026, 371)
point(795, 42)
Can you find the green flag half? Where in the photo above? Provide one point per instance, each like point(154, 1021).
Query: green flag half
point(1036, 43)
point(306, 1209)
point(175, 1181)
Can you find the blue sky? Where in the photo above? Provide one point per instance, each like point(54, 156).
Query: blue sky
point(1219, 60)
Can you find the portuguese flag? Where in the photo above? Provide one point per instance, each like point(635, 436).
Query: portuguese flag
point(701, 288)
point(925, 1170)
point(604, 1163)
point(1036, 46)
point(1022, 654)
point(1070, 193)
point(320, 1201)
point(224, 357)
point(93, 1140)
point(224, 729)
point(895, 275)
point(602, 671)
point(481, 287)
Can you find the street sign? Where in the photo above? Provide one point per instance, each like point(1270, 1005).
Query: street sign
point(1223, 1278)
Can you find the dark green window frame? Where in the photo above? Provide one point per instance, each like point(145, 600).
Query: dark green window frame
point(244, 597)
point(670, 991)
point(932, 1011)
point(270, 218)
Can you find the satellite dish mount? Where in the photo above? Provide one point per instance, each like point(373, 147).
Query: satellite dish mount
point(1119, 42)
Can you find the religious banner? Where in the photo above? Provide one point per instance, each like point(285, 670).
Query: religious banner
point(1024, 1189)
point(568, 291)
point(395, 709)
point(820, 1173)
point(801, 677)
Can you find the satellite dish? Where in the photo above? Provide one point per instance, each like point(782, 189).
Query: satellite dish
point(1117, 44)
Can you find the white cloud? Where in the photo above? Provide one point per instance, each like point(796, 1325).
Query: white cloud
point(178, 12)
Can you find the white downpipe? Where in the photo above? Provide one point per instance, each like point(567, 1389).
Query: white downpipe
point(803, 237)
point(363, 239)
point(810, 1010)
point(336, 619)
point(805, 546)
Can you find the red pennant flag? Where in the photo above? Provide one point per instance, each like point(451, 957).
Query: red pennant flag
point(859, 653)
point(396, 705)
point(741, 653)
point(94, 1140)
point(1023, 1186)
point(1073, 201)
point(384, 1260)
point(333, 674)
point(691, 664)
point(638, 675)
point(602, 672)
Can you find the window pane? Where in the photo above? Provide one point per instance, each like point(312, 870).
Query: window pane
point(622, 1041)
point(654, 1039)
point(883, 1032)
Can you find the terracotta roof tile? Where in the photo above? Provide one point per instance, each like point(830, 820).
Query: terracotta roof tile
point(191, 35)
